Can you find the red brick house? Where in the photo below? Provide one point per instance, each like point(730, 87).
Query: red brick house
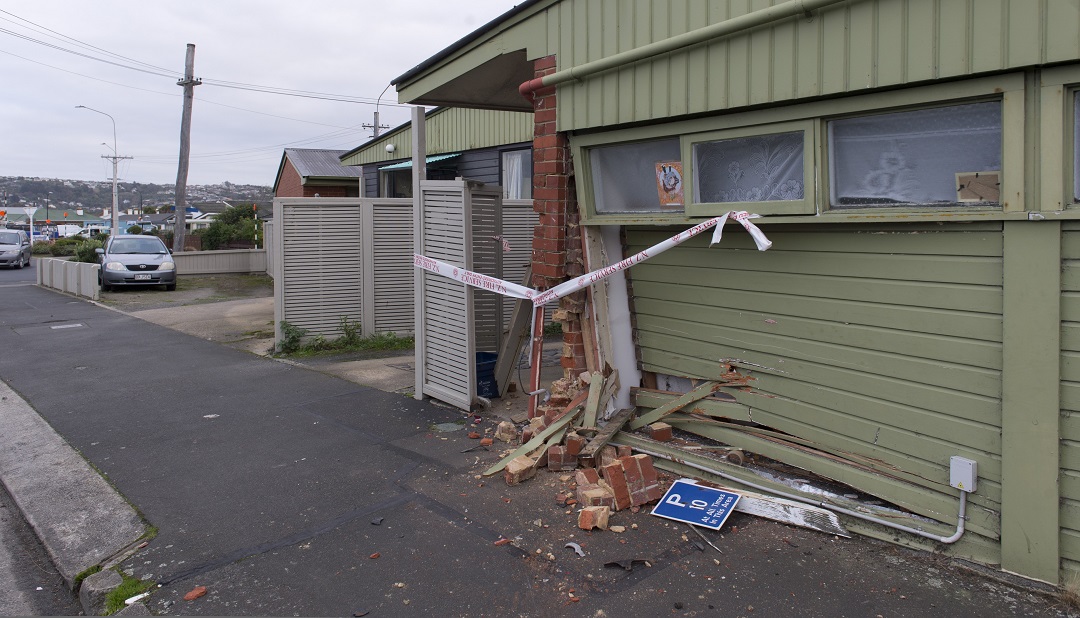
point(309, 172)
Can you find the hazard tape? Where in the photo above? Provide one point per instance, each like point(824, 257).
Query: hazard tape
point(569, 287)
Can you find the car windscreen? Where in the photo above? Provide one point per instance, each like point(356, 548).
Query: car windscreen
point(9, 238)
point(137, 245)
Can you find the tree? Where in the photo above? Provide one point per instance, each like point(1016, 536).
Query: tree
point(235, 223)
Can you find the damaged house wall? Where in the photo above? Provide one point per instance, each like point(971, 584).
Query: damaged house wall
point(892, 333)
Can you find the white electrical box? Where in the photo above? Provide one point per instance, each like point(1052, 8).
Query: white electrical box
point(963, 473)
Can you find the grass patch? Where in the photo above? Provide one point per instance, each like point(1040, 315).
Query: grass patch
point(87, 573)
point(129, 588)
point(1069, 593)
point(295, 342)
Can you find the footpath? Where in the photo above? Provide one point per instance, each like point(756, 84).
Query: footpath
point(276, 488)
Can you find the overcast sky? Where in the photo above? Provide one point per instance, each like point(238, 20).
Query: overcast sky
point(333, 48)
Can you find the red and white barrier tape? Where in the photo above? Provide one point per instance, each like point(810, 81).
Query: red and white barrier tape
point(569, 287)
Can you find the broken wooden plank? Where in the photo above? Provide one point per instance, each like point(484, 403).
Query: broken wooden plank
point(587, 456)
point(923, 498)
point(700, 392)
point(761, 505)
point(568, 414)
point(596, 387)
point(611, 384)
point(514, 341)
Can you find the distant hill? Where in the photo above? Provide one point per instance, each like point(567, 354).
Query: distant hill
point(21, 191)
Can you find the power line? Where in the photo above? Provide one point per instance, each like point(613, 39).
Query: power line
point(161, 72)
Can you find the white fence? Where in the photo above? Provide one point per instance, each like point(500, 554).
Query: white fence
point(78, 278)
point(218, 262)
point(351, 258)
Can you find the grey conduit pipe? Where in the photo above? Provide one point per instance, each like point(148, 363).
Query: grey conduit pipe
point(948, 540)
point(736, 24)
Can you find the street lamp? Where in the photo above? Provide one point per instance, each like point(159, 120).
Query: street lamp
point(114, 230)
point(48, 197)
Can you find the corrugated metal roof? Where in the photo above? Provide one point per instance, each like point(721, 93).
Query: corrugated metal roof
point(407, 164)
point(320, 163)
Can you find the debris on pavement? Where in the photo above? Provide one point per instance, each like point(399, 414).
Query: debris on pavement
point(576, 548)
point(629, 563)
point(195, 593)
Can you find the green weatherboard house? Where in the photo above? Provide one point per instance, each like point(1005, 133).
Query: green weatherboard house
point(917, 166)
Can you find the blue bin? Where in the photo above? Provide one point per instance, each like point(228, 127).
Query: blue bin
point(485, 375)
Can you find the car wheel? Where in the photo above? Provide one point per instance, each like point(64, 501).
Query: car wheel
point(18, 264)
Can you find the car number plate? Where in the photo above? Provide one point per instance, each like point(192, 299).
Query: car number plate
point(142, 277)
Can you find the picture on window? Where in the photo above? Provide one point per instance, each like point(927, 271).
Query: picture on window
point(917, 158)
point(978, 187)
point(669, 183)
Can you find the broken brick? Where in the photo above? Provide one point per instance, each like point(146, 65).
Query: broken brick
point(616, 478)
point(195, 593)
point(574, 444)
point(608, 454)
point(622, 450)
point(526, 434)
point(595, 495)
point(486, 442)
point(507, 432)
point(587, 476)
point(559, 459)
point(660, 432)
point(519, 469)
point(594, 517)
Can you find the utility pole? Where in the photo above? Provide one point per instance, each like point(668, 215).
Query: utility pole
point(188, 83)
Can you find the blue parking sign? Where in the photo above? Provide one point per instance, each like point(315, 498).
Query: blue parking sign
point(689, 502)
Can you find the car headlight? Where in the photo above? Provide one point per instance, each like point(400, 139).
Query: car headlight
point(167, 266)
point(115, 266)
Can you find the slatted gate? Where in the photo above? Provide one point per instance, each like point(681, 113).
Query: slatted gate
point(459, 219)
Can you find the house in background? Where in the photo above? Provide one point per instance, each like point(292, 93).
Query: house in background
point(915, 164)
point(307, 172)
point(494, 147)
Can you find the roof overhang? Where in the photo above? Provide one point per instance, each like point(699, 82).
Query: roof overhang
point(484, 69)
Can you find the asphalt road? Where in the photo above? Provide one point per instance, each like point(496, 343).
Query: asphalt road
point(285, 491)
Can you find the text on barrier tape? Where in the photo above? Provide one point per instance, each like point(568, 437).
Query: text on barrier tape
point(569, 287)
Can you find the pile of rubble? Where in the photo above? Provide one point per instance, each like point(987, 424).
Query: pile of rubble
point(562, 435)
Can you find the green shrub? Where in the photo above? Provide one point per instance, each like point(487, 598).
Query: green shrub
point(62, 247)
point(135, 229)
point(85, 251)
point(41, 247)
point(292, 340)
point(291, 337)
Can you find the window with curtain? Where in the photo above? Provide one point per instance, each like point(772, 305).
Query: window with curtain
point(635, 177)
point(517, 172)
point(943, 156)
point(760, 168)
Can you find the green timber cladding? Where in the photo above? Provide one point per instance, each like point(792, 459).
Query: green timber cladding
point(903, 335)
point(448, 130)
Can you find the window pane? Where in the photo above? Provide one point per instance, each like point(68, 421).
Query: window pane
point(764, 168)
point(930, 157)
point(517, 174)
point(625, 177)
